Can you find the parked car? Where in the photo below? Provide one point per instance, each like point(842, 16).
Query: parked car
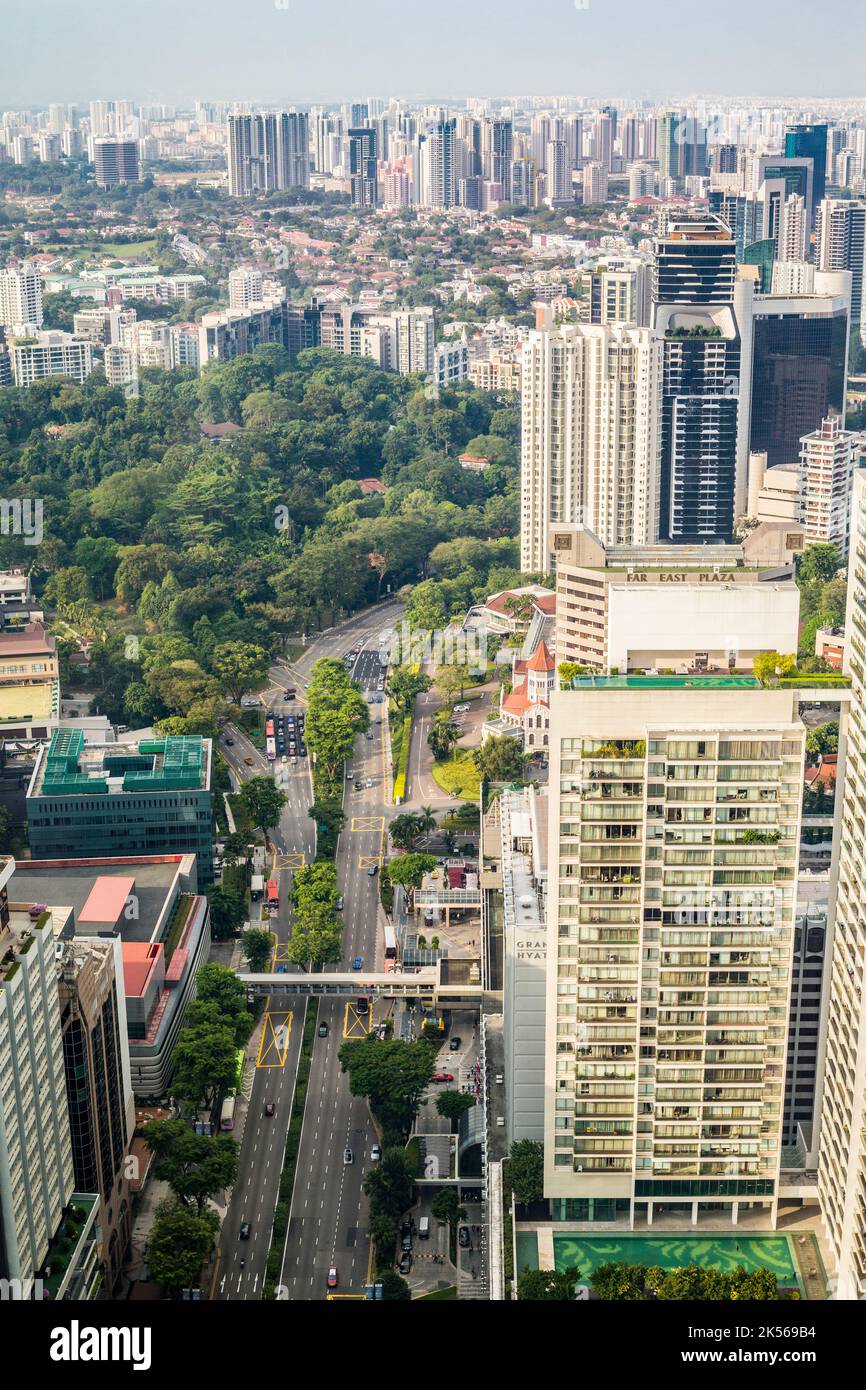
point(464, 1239)
point(405, 1262)
point(269, 1107)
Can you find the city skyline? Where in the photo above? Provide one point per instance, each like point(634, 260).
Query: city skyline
point(612, 45)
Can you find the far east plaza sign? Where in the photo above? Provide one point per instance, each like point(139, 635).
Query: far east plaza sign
point(683, 577)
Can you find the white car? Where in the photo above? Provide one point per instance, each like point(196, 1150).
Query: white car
point(460, 709)
point(376, 1153)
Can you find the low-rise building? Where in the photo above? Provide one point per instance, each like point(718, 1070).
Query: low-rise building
point(96, 801)
point(675, 607)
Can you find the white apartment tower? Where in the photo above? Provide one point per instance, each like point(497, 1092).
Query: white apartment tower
point(842, 1163)
point(674, 831)
point(20, 299)
point(826, 472)
point(245, 287)
point(841, 244)
point(590, 445)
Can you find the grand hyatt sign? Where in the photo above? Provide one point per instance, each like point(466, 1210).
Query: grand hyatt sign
point(682, 577)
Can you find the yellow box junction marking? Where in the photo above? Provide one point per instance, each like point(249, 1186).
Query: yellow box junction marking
point(376, 824)
point(274, 1042)
point(291, 861)
point(355, 1025)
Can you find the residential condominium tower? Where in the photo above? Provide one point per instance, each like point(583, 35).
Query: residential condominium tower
point(672, 895)
point(591, 417)
point(842, 1165)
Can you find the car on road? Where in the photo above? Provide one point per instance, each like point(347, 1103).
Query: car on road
point(348, 1156)
point(248, 761)
point(455, 1044)
point(378, 699)
point(230, 743)
point(357, 963)
point(333, 1277)
point(349, 774)
point(405, 1262)
point(339, 903)
point(269, 1107)
point(285, 759)
point(443, 1076)
point(323, 1029)
point(369, 781)
point(376, 1153)
point(245, 1230)
point(464, 1239)
point(359, 785)
point(373, 870)
point(369, 735)
point(460, 709)
point(406, 1240)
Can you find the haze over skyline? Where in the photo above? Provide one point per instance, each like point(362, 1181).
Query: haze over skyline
point(308, 50)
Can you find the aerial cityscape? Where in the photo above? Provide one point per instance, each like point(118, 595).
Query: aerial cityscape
point(432, 666)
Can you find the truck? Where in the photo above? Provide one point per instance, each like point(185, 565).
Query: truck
point(257, 887)
point(273, 891)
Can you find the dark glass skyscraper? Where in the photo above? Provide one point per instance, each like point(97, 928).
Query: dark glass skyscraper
point(694, 271)
point(798, 374)
point(363, 169)
point(810, 142)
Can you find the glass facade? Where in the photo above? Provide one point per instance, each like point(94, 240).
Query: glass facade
point(798, 379)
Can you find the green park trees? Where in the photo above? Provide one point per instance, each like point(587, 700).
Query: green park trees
point(178, 1245)
point(393, 1076)
point(337, 713)
point(500, 760)
point(258, 949)
point(195, 1166)
point(262, 802)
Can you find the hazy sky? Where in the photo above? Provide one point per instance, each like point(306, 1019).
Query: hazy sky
point(302, 50)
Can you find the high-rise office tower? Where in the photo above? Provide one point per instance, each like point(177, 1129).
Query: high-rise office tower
point(799, 367)
point(618, 293)
point(673, 848)
point(591, 415)
point(359, 113)
point(810, 142)
point(841, 243)
point(36, 1169)
point(20, 298)
point(116, 162)
point(363, 167)
point(98, 1083)
point(101, 118)
point(842, 1165)
point(701, 309)
point(826, 474)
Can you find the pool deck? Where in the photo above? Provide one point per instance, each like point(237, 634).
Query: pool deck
point(801, 1227)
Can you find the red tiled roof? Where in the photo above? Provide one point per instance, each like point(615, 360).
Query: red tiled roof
point(546, 603)
point(371, 485)
point(541, 660)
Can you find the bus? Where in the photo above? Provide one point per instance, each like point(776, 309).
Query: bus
point(273, 894)
point(271, 748)
point(227, 1114)
point(390, 947)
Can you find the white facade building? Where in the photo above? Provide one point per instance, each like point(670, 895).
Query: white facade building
point(826, 473)
point(52, 353)
point(591, 435)
point(20, 299)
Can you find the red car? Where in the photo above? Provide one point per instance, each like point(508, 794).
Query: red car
point(333, 1277)
point(442, 1076)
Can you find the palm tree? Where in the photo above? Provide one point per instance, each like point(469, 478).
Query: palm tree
point(426, 820)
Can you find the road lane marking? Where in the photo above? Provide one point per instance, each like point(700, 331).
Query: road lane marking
point(274, 1042)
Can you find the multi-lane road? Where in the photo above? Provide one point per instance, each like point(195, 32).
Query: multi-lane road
point(329, 1221)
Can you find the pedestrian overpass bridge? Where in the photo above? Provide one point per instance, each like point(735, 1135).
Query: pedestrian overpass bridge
point(423, 984)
